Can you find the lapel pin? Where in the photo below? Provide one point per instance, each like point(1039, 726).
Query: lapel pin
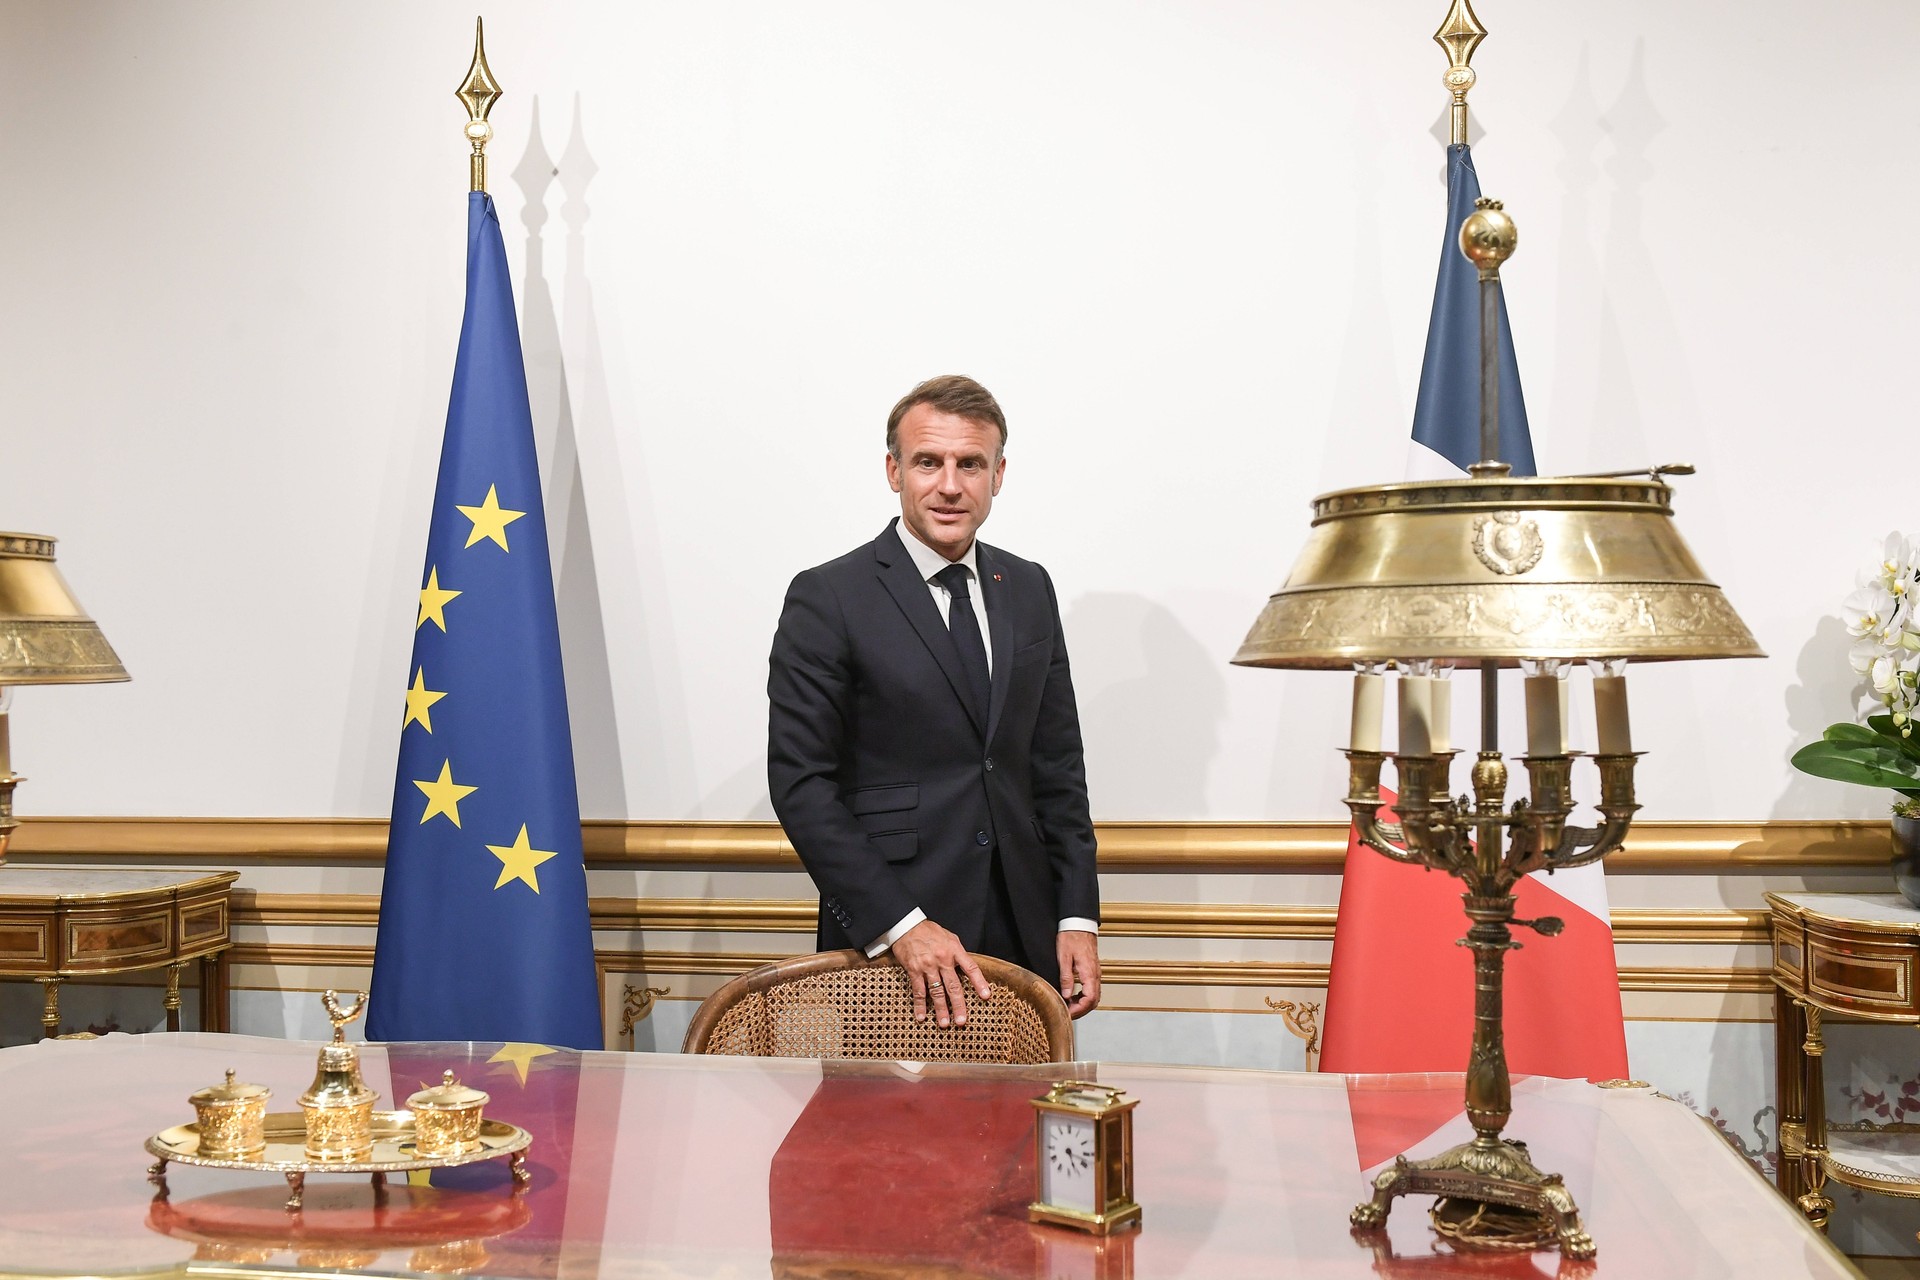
point(996, 577)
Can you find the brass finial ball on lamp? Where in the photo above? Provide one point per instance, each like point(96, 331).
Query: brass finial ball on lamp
point(45, 638)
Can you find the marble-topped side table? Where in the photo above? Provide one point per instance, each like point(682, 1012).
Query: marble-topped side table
point(57, 923)
point(1855, 954)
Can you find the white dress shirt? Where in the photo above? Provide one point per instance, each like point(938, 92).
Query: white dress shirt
point(930, 562)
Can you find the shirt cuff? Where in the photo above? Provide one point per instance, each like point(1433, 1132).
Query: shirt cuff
point(1079, 924)
point(893, 935)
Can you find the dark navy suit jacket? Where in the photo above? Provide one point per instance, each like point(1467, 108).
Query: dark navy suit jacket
point(889, 786)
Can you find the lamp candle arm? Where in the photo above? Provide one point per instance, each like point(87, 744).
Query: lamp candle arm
point(1579, 846)
point(1363, 799)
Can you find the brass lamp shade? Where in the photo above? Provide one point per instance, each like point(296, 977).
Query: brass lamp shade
point(1495, 569)
point(45, 636)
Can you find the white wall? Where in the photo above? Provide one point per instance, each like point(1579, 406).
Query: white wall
point(1190, 245)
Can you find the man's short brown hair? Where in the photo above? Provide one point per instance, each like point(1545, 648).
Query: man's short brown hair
point(951, 393)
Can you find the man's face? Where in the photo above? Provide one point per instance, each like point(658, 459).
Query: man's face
point(947, 474)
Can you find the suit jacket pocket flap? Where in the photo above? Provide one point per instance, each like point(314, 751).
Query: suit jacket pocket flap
point(896, 846)
point(906, 795)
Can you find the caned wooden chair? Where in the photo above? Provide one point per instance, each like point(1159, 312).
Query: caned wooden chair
point(839, 1004)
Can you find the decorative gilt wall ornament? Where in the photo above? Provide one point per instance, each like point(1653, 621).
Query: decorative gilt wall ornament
point(635, 1004)
point(1302, 1018)
point(1507, 542)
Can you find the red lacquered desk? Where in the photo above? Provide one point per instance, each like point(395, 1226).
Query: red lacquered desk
point(659, 1165)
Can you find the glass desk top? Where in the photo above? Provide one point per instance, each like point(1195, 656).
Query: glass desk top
point(659, 1165)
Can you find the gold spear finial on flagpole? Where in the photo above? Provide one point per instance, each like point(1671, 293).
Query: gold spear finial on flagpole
point(1459, 35)
point(478, 91)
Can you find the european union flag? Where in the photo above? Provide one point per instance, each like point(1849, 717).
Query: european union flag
point(1446, 417)
point(484, 933)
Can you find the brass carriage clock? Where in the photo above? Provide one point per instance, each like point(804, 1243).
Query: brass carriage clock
point(1083, 1158)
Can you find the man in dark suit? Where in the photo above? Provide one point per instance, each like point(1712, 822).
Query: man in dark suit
point(923, 748)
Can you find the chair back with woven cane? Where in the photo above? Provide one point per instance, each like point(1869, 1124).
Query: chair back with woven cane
point(839, 1004)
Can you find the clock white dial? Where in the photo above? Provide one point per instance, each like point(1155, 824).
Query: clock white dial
point(1068, 1172)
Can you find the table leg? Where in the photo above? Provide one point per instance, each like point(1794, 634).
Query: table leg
point(50, 1007)
point(214, 997)
point(1790, 1124)
point(1814, 1202)
point(172, 1002)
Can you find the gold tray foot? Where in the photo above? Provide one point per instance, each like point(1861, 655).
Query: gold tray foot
point(1491, 1172)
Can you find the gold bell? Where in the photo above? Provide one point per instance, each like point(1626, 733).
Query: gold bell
point(339, 1105)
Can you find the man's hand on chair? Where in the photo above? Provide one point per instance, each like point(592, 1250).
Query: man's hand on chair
point(934, 961)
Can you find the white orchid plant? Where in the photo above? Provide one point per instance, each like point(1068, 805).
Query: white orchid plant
point(1883, 617)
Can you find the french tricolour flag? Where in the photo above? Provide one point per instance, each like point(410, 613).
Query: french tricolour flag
point(1400, 997)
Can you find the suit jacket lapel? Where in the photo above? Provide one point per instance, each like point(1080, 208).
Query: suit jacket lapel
point(993, 592)
point(909, 591)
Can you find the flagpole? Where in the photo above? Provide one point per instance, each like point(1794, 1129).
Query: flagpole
point(478, 92)
point(1459, 35)
point(1488, 238)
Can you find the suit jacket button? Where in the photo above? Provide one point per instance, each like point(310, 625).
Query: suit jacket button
point(989, 764)
point(981, 837)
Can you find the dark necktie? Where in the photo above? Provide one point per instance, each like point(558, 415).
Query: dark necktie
point(966, 634)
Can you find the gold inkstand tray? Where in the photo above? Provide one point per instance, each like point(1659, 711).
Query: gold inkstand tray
point(336, 1129)
point(393, 1151)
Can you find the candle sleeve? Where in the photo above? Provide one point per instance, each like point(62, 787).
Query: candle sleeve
point(1610, 714)
point(1369, 705)
point(1543, 716)
point(1416, 715)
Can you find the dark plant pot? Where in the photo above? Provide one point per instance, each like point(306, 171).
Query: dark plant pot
point(1906, 858)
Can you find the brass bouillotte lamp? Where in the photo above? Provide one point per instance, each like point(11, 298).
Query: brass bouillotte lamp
point(1488, 572)
point(45, 638)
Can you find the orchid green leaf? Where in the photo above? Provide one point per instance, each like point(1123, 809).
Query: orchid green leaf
point(1870, 764)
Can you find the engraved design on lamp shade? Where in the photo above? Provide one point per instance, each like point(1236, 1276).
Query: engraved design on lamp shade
point(43, 648)
point(1630, 619)
point(1507, 543)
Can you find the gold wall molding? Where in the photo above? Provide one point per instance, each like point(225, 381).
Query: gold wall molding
point(1117, 919)
point(1281, 847)
point(1262, 974)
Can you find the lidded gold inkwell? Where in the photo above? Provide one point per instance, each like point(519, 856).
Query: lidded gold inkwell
point(339, 1105)
point(446, 1118)
point(232, 1118)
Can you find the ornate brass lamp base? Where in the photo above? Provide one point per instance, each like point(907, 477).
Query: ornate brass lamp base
point(1492, 1172)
